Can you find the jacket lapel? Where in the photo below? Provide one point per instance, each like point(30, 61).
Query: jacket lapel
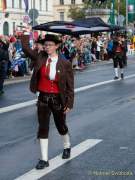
point(59, 66)
point(41, 60)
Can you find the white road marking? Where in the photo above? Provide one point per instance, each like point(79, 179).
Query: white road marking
point(17, 106)
point(101, 83)
point(16, 81)
point(58, 161)
point(32, 102)
point(124, 148)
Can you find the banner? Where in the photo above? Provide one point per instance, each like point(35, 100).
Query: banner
point(131, 10)
point(26, 5)
point(3, 5)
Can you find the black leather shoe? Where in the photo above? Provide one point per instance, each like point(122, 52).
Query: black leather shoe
point(122, 76)
point(66, 153)
point(42, 164)
point(115, 78)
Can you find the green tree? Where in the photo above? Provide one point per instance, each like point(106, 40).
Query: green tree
point(79, 13)
point(121, 7)
point(76, 12)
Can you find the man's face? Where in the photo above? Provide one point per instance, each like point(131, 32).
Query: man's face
point(50, 47)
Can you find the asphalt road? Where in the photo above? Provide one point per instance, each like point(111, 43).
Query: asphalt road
point(103, 112)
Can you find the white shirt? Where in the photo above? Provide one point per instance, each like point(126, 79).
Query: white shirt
point(53, 63)
point(99, 44)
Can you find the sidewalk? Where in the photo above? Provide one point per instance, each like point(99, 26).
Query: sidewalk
point(17, 80)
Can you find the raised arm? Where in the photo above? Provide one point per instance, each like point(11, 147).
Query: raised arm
point(32, 54)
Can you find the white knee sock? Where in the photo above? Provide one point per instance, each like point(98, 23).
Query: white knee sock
point(44, 149)
point(116, 72)
point(66, 141)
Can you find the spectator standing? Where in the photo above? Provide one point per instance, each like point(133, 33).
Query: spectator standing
point(99, 45)
point(93, 48)
point(2, 70)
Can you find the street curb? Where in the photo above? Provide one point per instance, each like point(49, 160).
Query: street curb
point(25, 79)
point(15, 81)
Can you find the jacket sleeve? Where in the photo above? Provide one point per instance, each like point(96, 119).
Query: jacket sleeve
point(69, 86)
point(32, 54)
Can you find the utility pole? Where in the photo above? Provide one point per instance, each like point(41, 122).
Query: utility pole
point(118, 12)
point(126, 13)
point(33, 14)
point(118, 7)
point(32, 7)
point(112, 20)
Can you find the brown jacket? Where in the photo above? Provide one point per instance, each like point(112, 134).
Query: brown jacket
point(63, 70)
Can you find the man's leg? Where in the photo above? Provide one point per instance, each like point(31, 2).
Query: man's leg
point(115, 65)
point(121, 65)
point(44, 113)
point(2, 74)
point(60, 122)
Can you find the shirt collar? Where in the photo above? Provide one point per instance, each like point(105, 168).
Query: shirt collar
point(54, 59)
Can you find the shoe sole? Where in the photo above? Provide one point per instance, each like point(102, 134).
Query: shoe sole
point(42, 168)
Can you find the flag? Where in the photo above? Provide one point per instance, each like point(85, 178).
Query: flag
point(131, 11)
point(26, 5)
point(3, 5)
point(131, 8)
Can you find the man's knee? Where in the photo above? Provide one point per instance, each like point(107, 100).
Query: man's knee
point(62, 130)
point(42, 133)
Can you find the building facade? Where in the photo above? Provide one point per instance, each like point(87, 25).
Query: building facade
point(14, 15)
point(61, 8)
point(104, 14)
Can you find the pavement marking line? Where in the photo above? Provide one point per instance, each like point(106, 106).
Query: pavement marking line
point(16, 81)
point(32, 102)
point(101, 83)
point(17, 106)
point(58, 161)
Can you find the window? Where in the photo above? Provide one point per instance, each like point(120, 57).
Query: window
point(14, 28)
point(61, 16)
point(61, 2)
point(40, 5)
point(13, 3)
point(33, 4)
point(72, 1)
point(20, 4)
point(6, 28)
point(46, 5)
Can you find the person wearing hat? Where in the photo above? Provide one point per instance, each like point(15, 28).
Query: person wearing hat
point(118, 51)
point(53, 78)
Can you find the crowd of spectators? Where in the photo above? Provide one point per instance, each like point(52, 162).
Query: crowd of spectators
point(81, 51)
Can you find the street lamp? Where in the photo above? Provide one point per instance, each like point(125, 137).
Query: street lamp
point(112, 19)
point(126, 13)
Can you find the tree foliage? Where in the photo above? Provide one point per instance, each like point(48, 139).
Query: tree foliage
point(78, 13)
point(122, 7)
